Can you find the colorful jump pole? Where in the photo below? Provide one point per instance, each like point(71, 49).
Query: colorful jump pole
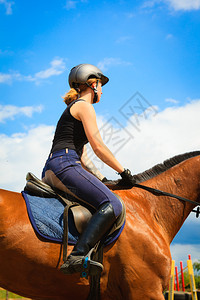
point(171, 282)
point(182, 276)
point(177, 279)
point(191, 276)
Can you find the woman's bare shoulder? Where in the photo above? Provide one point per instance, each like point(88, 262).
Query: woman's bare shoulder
point(84, 106)
point(82, 109)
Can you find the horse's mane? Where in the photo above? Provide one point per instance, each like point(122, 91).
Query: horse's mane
point(166, 165)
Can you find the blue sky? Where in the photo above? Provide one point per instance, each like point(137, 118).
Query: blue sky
point(150, 49)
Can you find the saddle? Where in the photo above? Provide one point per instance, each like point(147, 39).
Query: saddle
point(81, 214)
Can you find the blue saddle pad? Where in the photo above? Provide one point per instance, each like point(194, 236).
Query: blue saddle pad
point(46, 216)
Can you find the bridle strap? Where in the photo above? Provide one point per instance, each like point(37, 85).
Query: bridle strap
point(161, 193)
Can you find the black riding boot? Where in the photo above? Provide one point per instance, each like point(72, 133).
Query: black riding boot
point(98, 226)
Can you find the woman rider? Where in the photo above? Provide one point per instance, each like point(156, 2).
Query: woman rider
point(76, 127)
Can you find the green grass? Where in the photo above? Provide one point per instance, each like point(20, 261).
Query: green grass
point(10, 295)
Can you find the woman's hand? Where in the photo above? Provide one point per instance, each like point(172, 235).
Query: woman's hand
point(127, 178)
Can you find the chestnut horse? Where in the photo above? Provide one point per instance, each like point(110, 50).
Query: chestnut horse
point(137, 266)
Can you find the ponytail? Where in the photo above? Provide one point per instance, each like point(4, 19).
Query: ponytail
point(74, 94)
point(70, 96)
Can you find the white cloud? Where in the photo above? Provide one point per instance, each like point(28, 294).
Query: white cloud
point(161, 136)
point(5, 77)
point(150, 3)
point(184, 5)
point(8, 6)
point(10, 111)
point(21, 153)
point(12, 76)
point(180, 252)
point(57, 67)
point(170, 100)
point(111, 61)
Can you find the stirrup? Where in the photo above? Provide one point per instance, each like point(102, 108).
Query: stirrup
point(83, 265)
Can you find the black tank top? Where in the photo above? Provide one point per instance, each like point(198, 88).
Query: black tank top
point(69, 132)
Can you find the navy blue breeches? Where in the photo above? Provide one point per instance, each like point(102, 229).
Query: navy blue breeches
point(67, 168)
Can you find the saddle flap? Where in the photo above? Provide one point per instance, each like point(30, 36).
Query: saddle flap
point(81, 217)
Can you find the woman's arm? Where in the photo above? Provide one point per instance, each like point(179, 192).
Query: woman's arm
point(89, 165)
point(87, 115)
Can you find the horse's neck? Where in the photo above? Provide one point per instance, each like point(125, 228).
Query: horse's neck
point(182, 180)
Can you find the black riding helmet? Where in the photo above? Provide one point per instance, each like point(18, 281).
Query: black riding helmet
point(81, 73)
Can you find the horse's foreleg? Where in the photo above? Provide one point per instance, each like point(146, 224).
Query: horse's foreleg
point(131, 280)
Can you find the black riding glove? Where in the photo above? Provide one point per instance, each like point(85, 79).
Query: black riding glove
point(127, 180)
point(108, 181)
point(104, 179)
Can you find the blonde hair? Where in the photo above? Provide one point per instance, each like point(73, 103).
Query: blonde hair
point(73, 94)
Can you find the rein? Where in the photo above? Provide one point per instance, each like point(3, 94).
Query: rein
point(161, 193)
